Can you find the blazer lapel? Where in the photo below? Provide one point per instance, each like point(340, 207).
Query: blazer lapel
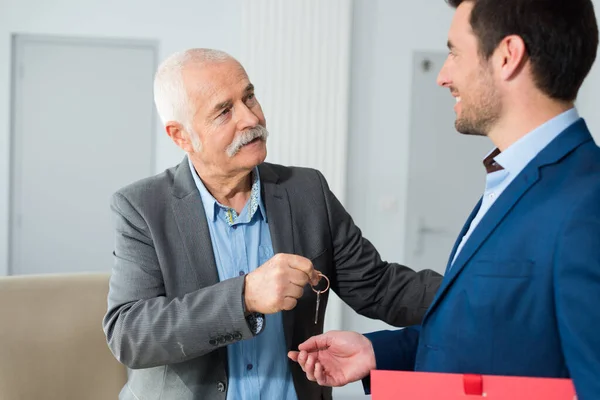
point(462, 233)
point(193, 227)
point(279, 217)
point(566, 142)
point(494, 216)
point(279, 213)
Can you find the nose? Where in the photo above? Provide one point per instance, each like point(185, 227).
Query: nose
point(443, 78)
point(246, 117)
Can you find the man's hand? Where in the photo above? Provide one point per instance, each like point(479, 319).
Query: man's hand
point(335, 358)
point(278, 284)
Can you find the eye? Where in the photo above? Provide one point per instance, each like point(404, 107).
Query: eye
point(225, 112)
point(250, 99)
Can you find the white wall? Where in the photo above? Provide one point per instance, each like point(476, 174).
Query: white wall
point(386, 33)
point(183, 24)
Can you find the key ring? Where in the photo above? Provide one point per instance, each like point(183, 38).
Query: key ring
point(321, 291)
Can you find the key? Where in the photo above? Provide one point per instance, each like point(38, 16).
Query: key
point(318, 303)
point(318, 292)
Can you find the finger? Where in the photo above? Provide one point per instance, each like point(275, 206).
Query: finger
point(320, 375)
point(314, 343)
point(289, 303)
point(302, 356)
point(305, 265)
point(293, 355)
point(309, 367)
point(297, 277)
point(293, 291)
point(314, 277)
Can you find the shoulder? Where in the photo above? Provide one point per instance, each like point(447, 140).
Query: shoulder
point(292, 177)
point(150, 191)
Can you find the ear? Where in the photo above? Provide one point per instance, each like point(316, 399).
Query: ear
point(510, 56)
point(179, 135)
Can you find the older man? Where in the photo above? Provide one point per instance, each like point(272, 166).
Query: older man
point(215, 258)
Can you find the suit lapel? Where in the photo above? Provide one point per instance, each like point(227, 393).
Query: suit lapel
point(279, 214)
point(565, 143)
point(279, 217)
point(494, 216)
point(193, 227)
point(462, 233)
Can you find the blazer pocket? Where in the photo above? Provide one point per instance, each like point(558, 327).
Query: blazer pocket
point(320, 262)
point(503, 268)
point(319, 254)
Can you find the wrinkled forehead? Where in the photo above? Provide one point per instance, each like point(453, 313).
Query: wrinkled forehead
point(215, 81)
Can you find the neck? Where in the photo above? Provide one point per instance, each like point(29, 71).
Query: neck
point(230, 189)
point(522, 116)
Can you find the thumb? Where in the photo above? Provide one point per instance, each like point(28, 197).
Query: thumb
point(293, 355)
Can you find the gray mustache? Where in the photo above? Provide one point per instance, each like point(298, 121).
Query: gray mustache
point(246, 137)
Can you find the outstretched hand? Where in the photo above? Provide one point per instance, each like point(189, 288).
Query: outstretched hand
point(335, 358)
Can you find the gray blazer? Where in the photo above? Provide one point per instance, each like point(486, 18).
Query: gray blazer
point(169, 318)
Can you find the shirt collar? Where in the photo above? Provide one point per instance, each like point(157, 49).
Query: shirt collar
point(519, 154)
point(212, 206)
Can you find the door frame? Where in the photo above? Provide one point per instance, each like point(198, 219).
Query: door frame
point(18, 42)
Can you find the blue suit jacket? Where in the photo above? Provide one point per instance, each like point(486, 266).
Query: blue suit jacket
point(523, 296)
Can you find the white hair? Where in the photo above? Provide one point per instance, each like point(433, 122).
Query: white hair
point(246, 137)
point(170, 95)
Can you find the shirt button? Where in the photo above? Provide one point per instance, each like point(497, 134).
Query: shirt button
point(220, 386)
point(242, 273)
point(249, 367)
point(492, 196)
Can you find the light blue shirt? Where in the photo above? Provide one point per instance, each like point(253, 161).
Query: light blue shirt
point(514, 159)
point(258, 367)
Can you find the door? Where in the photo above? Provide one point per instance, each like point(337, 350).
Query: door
point(83, 126)
point(446, 174)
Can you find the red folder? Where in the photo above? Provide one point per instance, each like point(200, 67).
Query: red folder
point(395, 385)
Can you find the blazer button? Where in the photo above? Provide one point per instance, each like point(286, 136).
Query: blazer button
point(237, 336)
point(221, 339)
point(229, 337)
point(212, 342)
point(220, 386)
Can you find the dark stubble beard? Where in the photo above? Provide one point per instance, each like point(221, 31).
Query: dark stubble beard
point(481, 111)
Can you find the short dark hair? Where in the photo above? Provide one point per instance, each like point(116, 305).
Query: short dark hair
point(561, 37)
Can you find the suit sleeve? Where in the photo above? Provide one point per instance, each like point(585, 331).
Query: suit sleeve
point(143, 327)
point(577, 294)
point(374, 288)
point(394, 350)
